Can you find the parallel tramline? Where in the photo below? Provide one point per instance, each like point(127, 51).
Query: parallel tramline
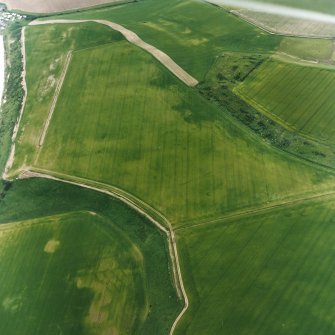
point(300, 97)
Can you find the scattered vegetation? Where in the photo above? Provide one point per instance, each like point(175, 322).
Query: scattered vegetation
point(13, 93)
point(229, 72)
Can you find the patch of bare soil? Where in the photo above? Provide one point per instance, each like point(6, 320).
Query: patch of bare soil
point(54, 6)
point(51, 246)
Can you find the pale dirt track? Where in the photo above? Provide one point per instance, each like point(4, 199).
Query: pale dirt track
point(54, 6)
point(138, 205)
point(133, 38)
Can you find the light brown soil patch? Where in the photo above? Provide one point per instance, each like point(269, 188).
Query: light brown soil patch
point(51, 246)
point(53, 6)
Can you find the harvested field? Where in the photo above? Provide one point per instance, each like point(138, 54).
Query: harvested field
point(55, 6)
point(284, 25)
point(323, 6)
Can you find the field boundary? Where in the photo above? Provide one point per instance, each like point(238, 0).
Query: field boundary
point(133, 38)
point(259, 209)
point(161, 222)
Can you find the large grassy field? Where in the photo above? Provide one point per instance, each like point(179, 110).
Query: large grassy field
point(308, 49)
point(254, 225)
point(301, 97)
point(122, 119)
point(191, 32)
point(73, 274)
point(78, 262)
point(265, 273)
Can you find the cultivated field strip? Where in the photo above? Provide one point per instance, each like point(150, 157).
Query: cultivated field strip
point(133, 38)
point(280, 24)
point(302, 98)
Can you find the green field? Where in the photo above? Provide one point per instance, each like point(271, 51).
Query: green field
point(88, 266)
point(265, 273)
point(308, 49)
point(252, 213)
point(300, 97)
point(44, 66)
point(135, 126)
point(191, 32)
point(74, 259)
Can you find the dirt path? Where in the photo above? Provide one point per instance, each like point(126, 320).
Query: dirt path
point(10, 160)
point(138, 205)
point(55, 98)
point(133, 38)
